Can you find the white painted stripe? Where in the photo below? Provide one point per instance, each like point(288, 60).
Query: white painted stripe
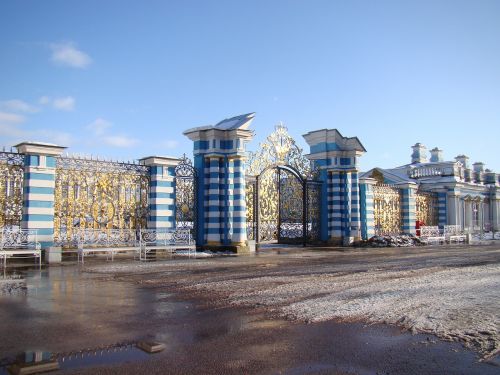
point(162, 201)
point(38, 197)
point(162, 213)
point(38, 210)
point(162, 189)
point(41, 183)
point(38, 224)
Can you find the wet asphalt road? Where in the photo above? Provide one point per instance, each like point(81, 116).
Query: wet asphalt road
point(66, 311)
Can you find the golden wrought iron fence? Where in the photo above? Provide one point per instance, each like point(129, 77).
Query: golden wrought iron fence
point(426, 205)
point(11, 189)
point(387, 209)
point(96, 194)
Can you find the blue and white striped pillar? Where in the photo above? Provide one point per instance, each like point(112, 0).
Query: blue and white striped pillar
point(38, 189)
point(219, 152)
point(408, 207)
point(442, 208)
point(355, 207)
point(335, 205)
point(337, 158)
point(161, 191)
point(213, 203)
point(367, 213)
point(238, 200)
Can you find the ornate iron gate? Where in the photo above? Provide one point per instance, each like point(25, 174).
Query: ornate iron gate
point(11, 189)
point(100, 195)
point(426, 208)
point(185, 195)
point(387, 209)
point(282, 196)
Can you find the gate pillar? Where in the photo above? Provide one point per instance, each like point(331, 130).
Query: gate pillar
point(38, 189)
point(366, 207)
point(161, 191)
point(408, 209)
point(219, 153)
point(337, 158)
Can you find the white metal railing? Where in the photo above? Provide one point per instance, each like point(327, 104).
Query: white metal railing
point(168, 239)
point(17, 243)
point(16, 238)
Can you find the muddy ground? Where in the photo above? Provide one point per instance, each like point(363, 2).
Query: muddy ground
point(271, 313)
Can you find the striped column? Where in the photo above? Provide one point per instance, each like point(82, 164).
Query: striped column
point(239, 220)
point(355, 214)
point(335, 208)
point(213, 207)
point(366, 208)
point(408, 208)
point(442, 209)
point(346, 214)
point(38, 189)
point(161, 191)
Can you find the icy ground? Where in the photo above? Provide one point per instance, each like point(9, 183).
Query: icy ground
point(452, 292)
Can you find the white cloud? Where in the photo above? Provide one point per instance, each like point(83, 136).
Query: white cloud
point(119, 141)
point(44, 100)
point(11, 118)
point(67, 54)
point(170, 144)
point(16, 105)
point(99, 126)
point(64, 104)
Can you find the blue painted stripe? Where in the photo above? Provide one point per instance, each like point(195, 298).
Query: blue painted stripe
point(38, 217)
point(39, 176)
point(41, 204)
point(159, 183)
point(38, 190)
point(160, 195)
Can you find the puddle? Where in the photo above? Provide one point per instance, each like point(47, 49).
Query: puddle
point(88, 358)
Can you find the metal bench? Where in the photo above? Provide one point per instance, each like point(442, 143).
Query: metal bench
point(19, 243)
point(431, 234)
point(454, 233)
point(169, 240)
point(107, 241)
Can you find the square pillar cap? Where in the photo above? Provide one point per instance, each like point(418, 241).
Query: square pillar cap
point(168, 161)
point(368, 181)
point(408, 185)
point(39, 148)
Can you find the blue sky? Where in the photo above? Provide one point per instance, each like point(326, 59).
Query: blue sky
point(123, 79)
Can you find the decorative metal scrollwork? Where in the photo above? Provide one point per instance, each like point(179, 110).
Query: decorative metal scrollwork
point(268, 205)
point(94, 194)
point(279, 149)
point(313, 207)
point(291, 207)
point(427, 208)
point(250, 199)
point(11, 189)
point(387, 210)
point(277, 188)
point(185, 195)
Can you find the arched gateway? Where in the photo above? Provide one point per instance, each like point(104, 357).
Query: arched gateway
point(282, 192)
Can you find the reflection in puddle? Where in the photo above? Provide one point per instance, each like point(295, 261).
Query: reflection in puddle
point(91, 357)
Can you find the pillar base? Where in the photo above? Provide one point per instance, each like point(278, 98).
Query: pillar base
point(237, 248)
point(53, 255)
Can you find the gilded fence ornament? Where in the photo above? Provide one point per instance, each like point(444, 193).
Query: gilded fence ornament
point(426, 208)
point(11, 189)
point(185, 195)
point(387, 210)
point(103, 195)
point(279, 148)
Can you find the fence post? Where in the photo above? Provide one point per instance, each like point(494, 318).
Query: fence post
point(38, 188)
point(219, 153)
point(161, 191)
point(366, 207)
point(408, 191)
point(338, 157)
